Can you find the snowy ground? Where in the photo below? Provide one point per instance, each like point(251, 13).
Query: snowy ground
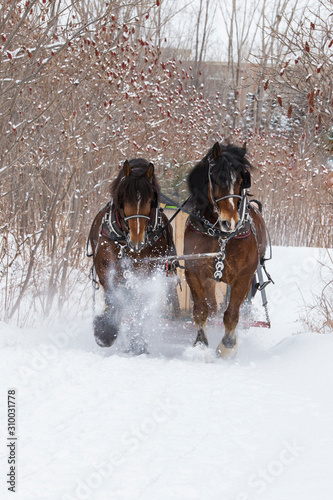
point(178, 424)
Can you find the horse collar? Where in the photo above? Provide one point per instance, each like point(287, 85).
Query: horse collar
point(111, 226)
point(205, 226)
point(244, 230)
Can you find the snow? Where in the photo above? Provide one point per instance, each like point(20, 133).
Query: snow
point(177, 424)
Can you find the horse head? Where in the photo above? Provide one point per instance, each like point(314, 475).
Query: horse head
point(228, 180)
point(136, 198)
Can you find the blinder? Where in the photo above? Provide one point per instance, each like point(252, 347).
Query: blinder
point(154, 203)
point(246, 182)
point(121, 201)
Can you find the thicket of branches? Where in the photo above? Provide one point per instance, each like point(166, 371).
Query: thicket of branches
point(85, 84)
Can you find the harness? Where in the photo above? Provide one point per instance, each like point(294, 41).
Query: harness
point(245, 226)
point(245, 185)
point(113, 228)
point(242, 231)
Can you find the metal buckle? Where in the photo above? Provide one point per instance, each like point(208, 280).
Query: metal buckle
point(121, 251)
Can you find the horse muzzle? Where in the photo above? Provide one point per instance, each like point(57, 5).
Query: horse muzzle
point(228, 225)
point(136, 237)
point(136, 246)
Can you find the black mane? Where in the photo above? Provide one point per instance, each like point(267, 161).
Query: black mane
point(127, 188)
point(229, 164)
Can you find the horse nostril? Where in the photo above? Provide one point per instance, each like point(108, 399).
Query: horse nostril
point(131, 246)
point(135, 246)
point(226, 225)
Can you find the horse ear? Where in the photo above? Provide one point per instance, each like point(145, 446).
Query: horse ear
point(150, 171)
point(127, 168)
point(216, 151)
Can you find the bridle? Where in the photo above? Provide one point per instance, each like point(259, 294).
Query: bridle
point(128, 240)
point(152, 218)
point(152, 225)
point(246, 183)
point(136, 216)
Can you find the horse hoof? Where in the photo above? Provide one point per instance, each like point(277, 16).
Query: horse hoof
point(201, 344)
point(104, 331)
point(201, 339)
point(138, 346)
point(226, 352)
point(103, 342)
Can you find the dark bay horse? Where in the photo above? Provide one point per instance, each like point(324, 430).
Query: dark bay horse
point(222, 221)
point(129, 230)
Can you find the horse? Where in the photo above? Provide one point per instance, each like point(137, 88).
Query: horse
point(223, 222)
point(128, 235)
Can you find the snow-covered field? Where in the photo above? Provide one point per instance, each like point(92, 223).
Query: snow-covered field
point(178, 424)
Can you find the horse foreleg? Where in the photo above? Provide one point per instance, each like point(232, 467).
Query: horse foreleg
point(227, 348)
point(200, 309)
point(106, 325)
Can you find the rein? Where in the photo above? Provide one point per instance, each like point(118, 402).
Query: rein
point(167, 224)
point(210, 227)
point(211, 231)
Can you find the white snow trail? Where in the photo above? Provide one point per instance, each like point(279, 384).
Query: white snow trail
point(178, 424)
